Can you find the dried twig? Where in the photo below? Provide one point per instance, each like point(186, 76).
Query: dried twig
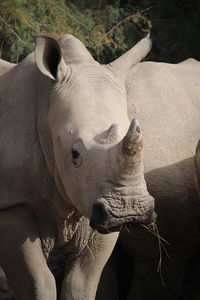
point(159, 269)
point(156, 233)
point(90, 251)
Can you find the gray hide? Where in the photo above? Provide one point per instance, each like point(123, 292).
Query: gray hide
point(170, 117)
point(166, 99)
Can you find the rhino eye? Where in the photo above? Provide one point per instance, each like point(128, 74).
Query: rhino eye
point(76, 158)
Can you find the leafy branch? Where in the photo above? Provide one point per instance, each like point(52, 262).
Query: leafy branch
point(126, 19)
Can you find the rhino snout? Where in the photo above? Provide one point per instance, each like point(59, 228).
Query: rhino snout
point(104, 221)
point(99, 217)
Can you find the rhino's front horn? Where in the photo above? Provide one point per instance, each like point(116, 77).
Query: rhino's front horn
point(126, 157)
point(132, 142)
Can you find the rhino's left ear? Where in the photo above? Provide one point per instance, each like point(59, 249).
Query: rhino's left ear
point(49, 58)
point(133, 56)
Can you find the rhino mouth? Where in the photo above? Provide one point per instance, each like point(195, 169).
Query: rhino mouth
point(105, 221)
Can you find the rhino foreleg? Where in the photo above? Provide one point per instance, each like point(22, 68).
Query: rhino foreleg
point(22, 258)
point(83, 272)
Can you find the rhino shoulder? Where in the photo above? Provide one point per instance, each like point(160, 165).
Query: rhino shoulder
point(189, 61)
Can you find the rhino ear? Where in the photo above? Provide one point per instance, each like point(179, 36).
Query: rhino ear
point(49, 58)
point(133, 56)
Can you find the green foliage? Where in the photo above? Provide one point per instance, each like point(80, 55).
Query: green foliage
point(107, 27)
point(103, 29)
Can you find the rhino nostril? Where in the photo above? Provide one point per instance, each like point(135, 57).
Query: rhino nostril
point(75, 154)
point(76, 158)
point(99, 215)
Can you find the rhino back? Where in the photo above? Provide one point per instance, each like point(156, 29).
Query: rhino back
point(5, 66)
point(166, 100)
point(20, 155)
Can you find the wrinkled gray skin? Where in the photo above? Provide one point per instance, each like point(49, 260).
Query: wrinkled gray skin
point(166, 99)
point(69, 156)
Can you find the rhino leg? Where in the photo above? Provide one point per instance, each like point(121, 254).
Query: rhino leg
point(108, 287)
point(83, 272)
point(22, 258)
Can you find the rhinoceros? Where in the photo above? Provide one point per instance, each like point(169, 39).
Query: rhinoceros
point(71, 166)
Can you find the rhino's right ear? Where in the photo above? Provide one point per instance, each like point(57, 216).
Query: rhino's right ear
point(49, 58)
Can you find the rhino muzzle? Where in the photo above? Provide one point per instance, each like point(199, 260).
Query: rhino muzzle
point(104, 221)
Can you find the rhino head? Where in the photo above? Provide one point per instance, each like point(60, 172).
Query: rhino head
point(97, 151)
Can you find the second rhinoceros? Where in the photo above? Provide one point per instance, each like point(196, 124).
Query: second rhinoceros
point(69, 158)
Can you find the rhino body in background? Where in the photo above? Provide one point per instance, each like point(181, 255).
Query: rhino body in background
point(69, 157)
point(170, 118)
point(166, 99)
